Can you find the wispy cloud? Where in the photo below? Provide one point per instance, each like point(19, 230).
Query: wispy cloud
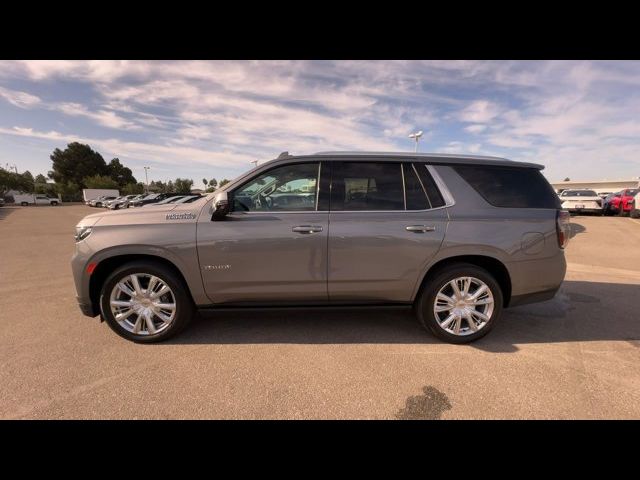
point(223, 114)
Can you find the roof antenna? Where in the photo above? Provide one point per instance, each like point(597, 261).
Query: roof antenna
point(283, 155)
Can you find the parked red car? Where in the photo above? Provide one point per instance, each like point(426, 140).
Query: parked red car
point(620, 202)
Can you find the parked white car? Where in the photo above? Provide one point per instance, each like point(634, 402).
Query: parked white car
point(581, 201)
point(635, 206)
point(120, 202)
point(100, 201)
point(31, 199)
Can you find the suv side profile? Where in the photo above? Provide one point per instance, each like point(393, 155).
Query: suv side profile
point(459, 238)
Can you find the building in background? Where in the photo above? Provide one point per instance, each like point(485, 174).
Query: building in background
point(599, 186)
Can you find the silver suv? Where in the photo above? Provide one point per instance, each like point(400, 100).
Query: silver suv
point(458, 237)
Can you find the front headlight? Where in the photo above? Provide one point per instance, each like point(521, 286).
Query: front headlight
point(82, 233)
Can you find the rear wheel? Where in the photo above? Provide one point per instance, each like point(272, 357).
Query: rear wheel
point(460, 304)
point(24, 204)
point(55, 204)
point(145, 302)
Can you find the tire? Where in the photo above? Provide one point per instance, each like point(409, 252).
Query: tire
point(183, 305)
point(427, 300)
point(24, 204)
point(635, 213)
point(55, 204)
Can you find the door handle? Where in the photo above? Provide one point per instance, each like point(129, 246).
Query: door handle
point(307, 229)
point(419, 228)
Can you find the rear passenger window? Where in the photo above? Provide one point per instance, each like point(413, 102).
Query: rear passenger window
point(510, 187)
point(367, 186)
point(415, 195)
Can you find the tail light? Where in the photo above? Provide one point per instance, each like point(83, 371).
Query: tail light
point(563, 227)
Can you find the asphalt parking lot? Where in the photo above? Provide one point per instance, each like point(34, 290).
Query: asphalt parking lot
point(576, 356)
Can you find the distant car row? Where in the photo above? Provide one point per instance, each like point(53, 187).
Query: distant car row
point(624, 202)
point(126, 201)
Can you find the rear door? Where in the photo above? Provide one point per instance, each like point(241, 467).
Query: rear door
point(384, 227)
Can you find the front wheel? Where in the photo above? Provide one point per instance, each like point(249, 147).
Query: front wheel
point(460, 304)
point(145, 302)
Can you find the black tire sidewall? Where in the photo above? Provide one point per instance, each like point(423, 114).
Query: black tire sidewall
point(184, 304)
point(425, 302)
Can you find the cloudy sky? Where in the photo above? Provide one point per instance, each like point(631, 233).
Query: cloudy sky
point(210, 119)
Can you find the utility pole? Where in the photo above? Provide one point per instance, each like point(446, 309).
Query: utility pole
point(146, 177)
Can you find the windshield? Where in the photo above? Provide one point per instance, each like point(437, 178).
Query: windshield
point(579, 193)
point(632, 192)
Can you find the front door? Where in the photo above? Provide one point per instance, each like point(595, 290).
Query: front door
point(387, 220)
point(272, 247)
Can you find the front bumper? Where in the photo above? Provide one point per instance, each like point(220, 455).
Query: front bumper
point(87, 309)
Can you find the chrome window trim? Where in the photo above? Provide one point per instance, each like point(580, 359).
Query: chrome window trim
point(449, 201)
point(444, 191)
point(404, 186)
point(318, 184)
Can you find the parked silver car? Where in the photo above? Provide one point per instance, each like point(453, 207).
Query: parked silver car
point(458, 237)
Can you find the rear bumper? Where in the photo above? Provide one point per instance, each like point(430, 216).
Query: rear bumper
point(533, 297)
point(584, 210)
point(536, 280)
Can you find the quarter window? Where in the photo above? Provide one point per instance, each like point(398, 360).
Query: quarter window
point(287, 188)
point(415, 195)
point(435, 197)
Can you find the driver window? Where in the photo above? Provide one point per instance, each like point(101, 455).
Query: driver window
point(287, 188)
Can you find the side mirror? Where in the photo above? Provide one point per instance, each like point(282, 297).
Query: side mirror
point(220, 206)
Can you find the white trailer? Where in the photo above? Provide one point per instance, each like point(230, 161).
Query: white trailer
point(35, 199)
point(90, 193)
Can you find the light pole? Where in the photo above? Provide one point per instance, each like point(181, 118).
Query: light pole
point(146, 177)
point(416, 136)
point(255, 162)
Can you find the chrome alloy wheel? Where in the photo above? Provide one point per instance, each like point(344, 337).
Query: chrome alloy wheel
point(463, 306)
point(143, 304)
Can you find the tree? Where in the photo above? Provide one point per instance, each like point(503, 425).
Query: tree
point(223, 182)
point(70, 192)
point(75, 163)
point(22, 182)
point(40, 178)
point(27, 181)
point(206, 182)
point(158, 186)
point(183, 185)
point(132, 189)
point(213, 183)
point(119, 173)
point(100, 181)
point(567, 179)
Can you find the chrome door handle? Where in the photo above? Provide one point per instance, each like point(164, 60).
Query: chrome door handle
point(419, 228)
point(307, 229)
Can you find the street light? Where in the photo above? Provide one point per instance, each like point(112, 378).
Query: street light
point(255, 162)
point(146, 177)
point(416, 136)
